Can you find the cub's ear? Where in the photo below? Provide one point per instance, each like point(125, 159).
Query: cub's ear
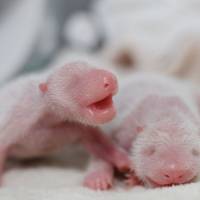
point(196, 95)
point(43, 87)
point(139, 129)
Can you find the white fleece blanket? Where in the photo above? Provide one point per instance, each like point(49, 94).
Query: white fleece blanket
point(61, 178)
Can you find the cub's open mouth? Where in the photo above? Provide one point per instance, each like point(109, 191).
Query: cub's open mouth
point(102, 104)
point(102, 110)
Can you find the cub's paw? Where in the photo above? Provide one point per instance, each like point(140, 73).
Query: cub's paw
point(99, 180)
point(122, 162)
point(132, 180)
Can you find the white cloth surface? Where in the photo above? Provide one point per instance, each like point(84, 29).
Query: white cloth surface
point(60, 178)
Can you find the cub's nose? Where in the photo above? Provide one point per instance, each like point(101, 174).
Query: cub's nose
point(103, 80)
point(174, 175)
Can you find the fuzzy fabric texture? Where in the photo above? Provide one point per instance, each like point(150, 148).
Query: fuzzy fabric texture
point(60, 178)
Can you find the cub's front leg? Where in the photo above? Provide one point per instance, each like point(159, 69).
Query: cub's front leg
point(101, 146)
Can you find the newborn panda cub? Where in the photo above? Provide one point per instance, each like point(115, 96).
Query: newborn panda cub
point(42, 113)
point(158, 126)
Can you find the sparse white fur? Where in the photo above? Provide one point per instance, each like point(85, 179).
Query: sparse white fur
point(165, 86)
point(173, 124)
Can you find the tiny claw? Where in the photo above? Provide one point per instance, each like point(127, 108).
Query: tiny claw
point(121, 160)
point(125, 169)
point(99, 180)
point(132, 180)
point(130, 173)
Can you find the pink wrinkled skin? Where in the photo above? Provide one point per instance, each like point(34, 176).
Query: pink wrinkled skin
point(42, 114)
point(158, 127)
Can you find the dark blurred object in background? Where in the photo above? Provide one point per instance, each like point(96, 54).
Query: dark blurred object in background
point(31, 32)
point(133, 35)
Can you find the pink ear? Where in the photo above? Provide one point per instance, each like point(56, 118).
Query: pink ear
point(43, 87)
point(139, 129)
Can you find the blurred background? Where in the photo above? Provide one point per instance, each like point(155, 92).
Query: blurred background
point(122, 35)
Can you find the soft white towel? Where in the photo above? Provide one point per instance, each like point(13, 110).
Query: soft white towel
point(61, 180)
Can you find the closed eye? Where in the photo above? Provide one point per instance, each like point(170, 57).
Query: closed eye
point(149, 151)
point(195, 152)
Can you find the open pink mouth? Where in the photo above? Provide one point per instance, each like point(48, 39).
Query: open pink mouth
point(102, 104)
point(101, 110)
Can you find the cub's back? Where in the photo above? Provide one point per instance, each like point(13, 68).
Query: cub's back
point(140, 85)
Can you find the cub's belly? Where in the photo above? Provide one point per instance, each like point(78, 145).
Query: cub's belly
point(41, 143)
